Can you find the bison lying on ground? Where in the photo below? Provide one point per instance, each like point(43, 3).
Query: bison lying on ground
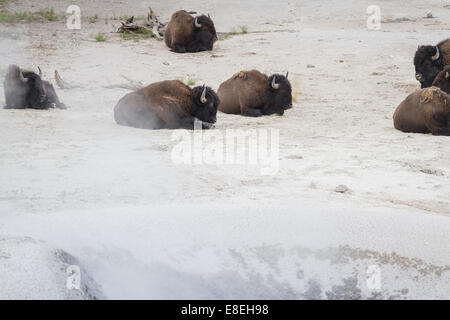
point(424, 111)
point(185, 33)
point(167, 104)
point(442, 80)
point(253, 94)
point(430, 60)
point(26, 89)
point(51, 98)
point(23, 92)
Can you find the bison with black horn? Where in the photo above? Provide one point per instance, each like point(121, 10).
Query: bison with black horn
point(23, 89)
point(168, 104)
point(252, 93)
point(430, 60)
point(26, 89)
point(424, 111)
point(184, 33)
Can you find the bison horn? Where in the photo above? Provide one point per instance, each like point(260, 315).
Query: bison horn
point(40, 72)
point(447, 75)
point(22, 78)
point(287, 74)
point(203, 97)
point(436, 56)
point(197, 25)
point(274, 84)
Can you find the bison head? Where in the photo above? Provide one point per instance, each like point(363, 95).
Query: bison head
point(428, 62)
point(442, 80)
point(280, 95)
point(204, 32)
point(206, 102)
point(36, 91)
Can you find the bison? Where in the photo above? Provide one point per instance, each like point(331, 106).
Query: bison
point(22, 91)
point(184, 33)
point(51, 99)
point(253, 94)
point(168, 104)
point(424, 111)
point(430, 60)
point(26, 89)
point(442, 80)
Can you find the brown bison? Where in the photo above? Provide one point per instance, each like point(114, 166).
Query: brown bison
point(430, 60)
point(253, 94)
point(184, 33)
point(442, 80)
point(167, 104)
point(424, 111)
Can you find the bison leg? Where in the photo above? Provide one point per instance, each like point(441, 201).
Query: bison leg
point(178, 49)
point(440, 131)
point(251, 112)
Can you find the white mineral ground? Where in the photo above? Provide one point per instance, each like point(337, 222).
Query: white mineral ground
point(77, 189)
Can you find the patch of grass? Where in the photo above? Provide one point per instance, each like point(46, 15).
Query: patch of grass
point(93, 19)
point(233, 32)
point(15, 17)
point(138, 35)
point(190, 82)
point(48, 14)
point(124, 17)
point(294, 96)
point(100, 37)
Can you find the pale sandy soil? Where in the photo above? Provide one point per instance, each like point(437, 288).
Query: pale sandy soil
point(112, 196)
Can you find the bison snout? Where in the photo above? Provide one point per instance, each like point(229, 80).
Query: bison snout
point(213, 120)
point(419, 77)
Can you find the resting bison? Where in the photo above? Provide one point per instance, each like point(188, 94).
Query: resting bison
point(26, 89)
point(442, 80)
point(253, 94)
point(430, 60)
point(424, 111)
point(23, 91)
point(167, 104)
point(51, 99)
point(185, 33)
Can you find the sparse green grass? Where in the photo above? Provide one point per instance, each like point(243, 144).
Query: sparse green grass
point(124, 17)
point(100, 37)
point(48, 14)
point(294, 96)
point(190, 82)
point(233, 32)
point(93, 19)
point(27, 17)
point(138, 35)
point(15, 17)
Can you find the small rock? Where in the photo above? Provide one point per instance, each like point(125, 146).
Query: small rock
point(341, 188)
point(310, 66)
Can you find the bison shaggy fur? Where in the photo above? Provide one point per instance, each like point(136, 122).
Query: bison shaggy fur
point(442, 80)
point(184, 33)
point(252, 93)
point(167, 104)
point(430, 60)
point(424, 111)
